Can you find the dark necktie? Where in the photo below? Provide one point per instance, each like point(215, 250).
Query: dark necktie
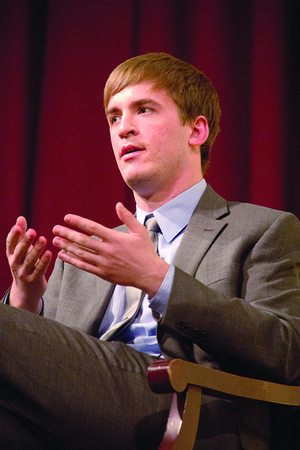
point(134, 296)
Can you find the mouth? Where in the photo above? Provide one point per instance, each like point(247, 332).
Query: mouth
point(129, 149)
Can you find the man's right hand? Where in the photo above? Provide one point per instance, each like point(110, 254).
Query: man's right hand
point(28, 263)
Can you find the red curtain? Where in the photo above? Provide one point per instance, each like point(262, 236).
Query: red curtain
point(55, 57)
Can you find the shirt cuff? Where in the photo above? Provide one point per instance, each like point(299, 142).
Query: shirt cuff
point(5, 300)
point(160, 301)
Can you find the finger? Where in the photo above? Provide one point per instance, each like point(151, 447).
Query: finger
point(22, 223)
point(16, 233)
point(66, 237)
point(89, 226)
point(12, 239)
point(34, 256)
point(19, 245)
point(79, 263)
point(43, 262)
point(27, 255)
point(129, 219)
point(74, 254)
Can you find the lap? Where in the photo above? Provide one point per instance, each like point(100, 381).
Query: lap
point(16, 435)
point(72, 391)
point(84, 393)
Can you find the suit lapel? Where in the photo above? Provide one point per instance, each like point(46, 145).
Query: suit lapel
point(101, 299)
point(203, 229)
point(97, 308)
point(90, 308)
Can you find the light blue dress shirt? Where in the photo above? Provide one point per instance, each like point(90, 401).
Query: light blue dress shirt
point(172, 219)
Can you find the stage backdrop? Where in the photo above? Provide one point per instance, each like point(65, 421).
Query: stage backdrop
point(55, 56)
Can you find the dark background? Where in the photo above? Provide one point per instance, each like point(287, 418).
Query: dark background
point(55, 56)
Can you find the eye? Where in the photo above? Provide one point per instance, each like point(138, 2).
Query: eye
point(145, 110)
point(113, 119)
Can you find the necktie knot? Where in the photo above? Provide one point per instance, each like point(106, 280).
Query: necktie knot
point(151, 223)
point(152, 228)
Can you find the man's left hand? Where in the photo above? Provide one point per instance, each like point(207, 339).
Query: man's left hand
point(128, 259)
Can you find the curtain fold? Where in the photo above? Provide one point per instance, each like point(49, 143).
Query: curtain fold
point(55, 57)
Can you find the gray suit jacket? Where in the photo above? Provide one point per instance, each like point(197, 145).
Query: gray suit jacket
point(235, 300)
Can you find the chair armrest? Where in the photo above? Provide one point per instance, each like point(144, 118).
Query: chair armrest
point(188, 380)
point(176, 375)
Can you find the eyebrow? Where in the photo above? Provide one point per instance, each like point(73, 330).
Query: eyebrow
point(135, 104)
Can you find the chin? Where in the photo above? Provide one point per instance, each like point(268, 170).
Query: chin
point(141, 185)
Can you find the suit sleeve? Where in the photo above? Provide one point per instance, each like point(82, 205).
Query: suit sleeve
point(256, 331)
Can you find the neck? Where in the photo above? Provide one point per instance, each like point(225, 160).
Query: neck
point(151, 202)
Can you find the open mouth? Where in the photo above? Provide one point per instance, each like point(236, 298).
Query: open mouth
point(132, 151)
point(129, 149)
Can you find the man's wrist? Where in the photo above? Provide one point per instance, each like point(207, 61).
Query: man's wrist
point(159, 302)
point(5, 300)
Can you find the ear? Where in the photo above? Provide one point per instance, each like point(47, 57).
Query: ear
point(200, 131)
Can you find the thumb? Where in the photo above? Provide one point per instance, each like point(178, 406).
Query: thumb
point(128, 219)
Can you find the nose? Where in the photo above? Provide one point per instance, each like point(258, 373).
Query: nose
point(127, 126)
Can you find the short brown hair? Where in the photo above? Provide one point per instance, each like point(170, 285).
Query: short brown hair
point(189, 88)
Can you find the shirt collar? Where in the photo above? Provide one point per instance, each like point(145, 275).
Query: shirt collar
point(173, 216)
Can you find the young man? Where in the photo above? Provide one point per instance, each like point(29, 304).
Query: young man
point(222, 285)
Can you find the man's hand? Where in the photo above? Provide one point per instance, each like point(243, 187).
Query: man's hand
point(28, 263)
point(120, 258)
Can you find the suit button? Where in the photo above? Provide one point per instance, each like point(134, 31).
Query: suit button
point(196, 334)
point(180, 325)
point(188, 330)
point(200, 335)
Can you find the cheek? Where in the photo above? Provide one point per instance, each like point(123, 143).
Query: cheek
point(114, 145)
point(164, 139)
point(169, 146)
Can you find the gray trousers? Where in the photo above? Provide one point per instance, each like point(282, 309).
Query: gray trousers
point(63, 389)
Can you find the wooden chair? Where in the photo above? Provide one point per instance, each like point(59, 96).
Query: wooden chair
point(180, 376)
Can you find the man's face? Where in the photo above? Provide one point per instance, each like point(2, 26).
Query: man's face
point(150, 143)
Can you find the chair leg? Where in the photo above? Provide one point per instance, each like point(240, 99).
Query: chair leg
point(183, 420)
